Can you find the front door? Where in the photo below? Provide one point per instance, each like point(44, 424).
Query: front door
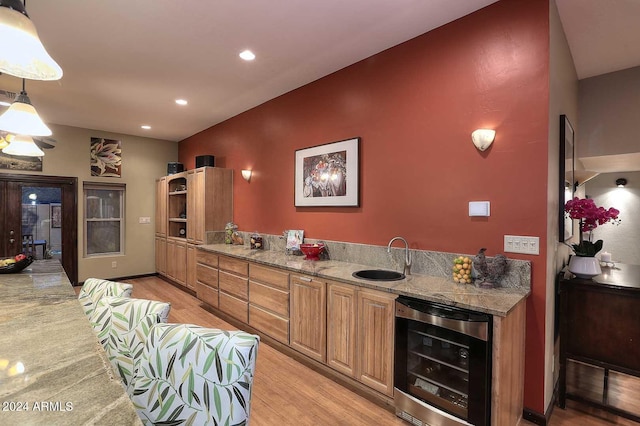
point(44, 208)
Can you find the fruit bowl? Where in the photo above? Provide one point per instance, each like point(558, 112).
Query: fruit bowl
point(17, 266)
point(312, 251)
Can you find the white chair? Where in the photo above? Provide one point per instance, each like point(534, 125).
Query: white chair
point(194, 375)
point(122, 326)
point(94, 289)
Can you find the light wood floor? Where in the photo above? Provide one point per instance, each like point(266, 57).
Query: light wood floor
point(287, 392)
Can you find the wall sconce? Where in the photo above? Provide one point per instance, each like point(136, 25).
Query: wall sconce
point(621, 183)
point(483, 138)
point(246, 175)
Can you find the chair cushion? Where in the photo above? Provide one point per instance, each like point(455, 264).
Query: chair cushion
point(195, 375)
point(122, 326)
point(94, 289)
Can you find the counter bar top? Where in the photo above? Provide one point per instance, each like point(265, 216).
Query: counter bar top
point(498, 301)
point(53, 370)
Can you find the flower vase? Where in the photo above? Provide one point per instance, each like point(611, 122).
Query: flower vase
point(584, 267)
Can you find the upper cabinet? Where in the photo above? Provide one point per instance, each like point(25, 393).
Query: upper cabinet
point(193, 202)
point(209, 201)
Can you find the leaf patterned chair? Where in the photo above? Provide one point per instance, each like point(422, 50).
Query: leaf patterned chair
point(94, 289)
point(196, 376)
point(122, 326)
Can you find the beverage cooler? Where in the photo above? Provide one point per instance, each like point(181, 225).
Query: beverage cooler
point(442, 364)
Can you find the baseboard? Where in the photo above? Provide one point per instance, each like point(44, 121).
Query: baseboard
point(538, 418)
point(131, 277)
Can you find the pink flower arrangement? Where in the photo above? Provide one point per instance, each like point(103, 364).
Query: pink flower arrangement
point(589, 214)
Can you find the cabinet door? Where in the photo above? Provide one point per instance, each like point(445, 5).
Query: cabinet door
point(191, 267)
point(376, 340)
point(161, 207)
point(308, 316)
point(177, 261)
point(161, 255)
point(195, 205)
point(341, 327)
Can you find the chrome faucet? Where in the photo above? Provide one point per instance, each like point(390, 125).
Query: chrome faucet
point(407, 256)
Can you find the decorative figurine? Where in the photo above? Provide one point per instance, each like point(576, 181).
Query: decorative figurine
point(489, 272)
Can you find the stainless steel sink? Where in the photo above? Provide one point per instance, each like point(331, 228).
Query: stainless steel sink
point(378, 275)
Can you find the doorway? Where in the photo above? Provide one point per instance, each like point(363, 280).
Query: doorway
point(38, 214)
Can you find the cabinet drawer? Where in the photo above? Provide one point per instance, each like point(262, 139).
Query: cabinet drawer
point(270, 276)
point(207, 275)
point(236, 266)
point(207, 258)
point(207, 294)
point(272, 299)
point(234, 285)
point(233, 306)
point(270, 324)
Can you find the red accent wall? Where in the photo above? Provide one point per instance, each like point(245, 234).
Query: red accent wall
point(415, 106)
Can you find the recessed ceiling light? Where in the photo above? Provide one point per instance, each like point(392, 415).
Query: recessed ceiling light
point(181, 102)
point(146, 127)
point(247, 55)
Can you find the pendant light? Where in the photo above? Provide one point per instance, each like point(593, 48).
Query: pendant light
point(23, 145)
point(22, 118)
point(21, 51)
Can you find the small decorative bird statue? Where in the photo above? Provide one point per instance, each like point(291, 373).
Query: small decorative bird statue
point(489, 271)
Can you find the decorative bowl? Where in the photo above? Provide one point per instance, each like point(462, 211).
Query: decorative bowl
point(312, 251)
point(16, 267)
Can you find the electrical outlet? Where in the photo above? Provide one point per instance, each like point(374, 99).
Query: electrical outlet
point(114, 264)
point(522, 244)
point(145, 219)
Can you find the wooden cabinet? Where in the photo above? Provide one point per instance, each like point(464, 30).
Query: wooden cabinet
point(207, 277)
point(233, 285)
point(161, 255)
point(308, 321)
point(600, 330)
point(341, 328)
point(360, 334)
point(269, 301)
point(161, 207)
point(375, 347)
point(188, 205)
point(177, 260)
point(191, 267)
point(209, 201)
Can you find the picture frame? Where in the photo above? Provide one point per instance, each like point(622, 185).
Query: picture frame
point(328, 175)
point(566, 179)
point(56, 216)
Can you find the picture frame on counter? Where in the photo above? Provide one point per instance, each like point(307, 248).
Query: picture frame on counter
point(328, 175)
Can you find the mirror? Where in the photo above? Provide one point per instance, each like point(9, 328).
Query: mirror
point(567, 170)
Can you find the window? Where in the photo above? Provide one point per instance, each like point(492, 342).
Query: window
point(103, 219)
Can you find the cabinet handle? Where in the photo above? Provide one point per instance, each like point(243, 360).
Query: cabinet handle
point(306, 279)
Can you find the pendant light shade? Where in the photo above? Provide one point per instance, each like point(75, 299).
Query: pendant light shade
point(22, 118)
point(21, 51)
point(23, 145)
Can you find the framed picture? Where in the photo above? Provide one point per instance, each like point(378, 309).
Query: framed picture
point(56, 216)
point(328, 175)
point(567, 179)
point(106, 157)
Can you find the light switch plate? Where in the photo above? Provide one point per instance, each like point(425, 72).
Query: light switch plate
point(479, 208)
point(144, 220)
point(522, 244)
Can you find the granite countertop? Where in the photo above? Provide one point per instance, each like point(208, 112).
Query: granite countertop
point(498, 301)
point(53, 370)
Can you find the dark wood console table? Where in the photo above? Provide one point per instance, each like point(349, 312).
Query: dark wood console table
point(600, 326)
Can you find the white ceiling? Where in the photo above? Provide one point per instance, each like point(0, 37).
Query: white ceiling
point(125, 62)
